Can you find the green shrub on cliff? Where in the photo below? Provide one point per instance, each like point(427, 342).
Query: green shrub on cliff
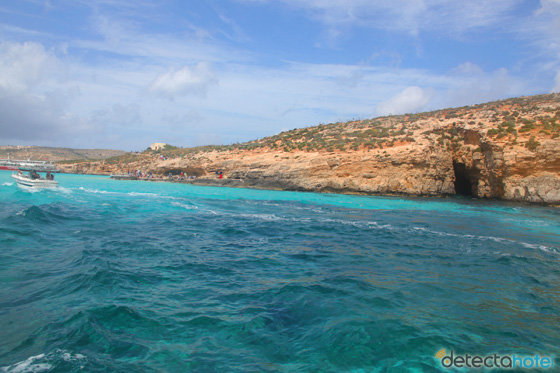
point(532, 144)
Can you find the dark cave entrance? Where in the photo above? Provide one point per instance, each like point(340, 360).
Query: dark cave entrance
point(463, 184)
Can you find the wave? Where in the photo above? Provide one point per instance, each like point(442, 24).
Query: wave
point(96, 191)
point(31, 190)
point(61, 189)
point(143, 194)
point(47, 361)
point(7, 184)
point(550, 250)
point(265, 217)
point(29, 365)
point(184, 205)
point(48, 214)
point(503, 240)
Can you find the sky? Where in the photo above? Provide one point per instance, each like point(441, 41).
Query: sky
point(123, 74)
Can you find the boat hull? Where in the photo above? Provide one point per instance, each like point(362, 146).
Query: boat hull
point(8, 168)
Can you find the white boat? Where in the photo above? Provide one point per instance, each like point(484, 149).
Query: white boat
point(33, 178)
point(7, 164)
point(14, 164)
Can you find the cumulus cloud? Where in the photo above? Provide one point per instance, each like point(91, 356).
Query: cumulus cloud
point(24, 66)
point(185, 81)
point(411, 99)
point(32, 100)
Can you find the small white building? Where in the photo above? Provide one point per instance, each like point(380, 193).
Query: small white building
point(158, 145)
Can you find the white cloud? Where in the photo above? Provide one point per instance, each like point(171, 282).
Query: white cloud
point(468, 68)
point(408, 16)
point(125, 63)
point(411, 99)
point(185, 81)
point(34, 99)
point(24, 66)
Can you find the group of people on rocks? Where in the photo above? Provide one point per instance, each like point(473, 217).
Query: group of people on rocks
point(141, 174)
point(181, 176)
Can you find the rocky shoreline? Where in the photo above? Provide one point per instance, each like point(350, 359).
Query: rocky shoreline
point(507, 150)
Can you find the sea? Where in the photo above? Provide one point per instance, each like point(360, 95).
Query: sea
point(101, 275)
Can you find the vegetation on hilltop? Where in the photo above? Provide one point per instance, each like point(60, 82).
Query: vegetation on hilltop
point(509, 120)
point(60, 155)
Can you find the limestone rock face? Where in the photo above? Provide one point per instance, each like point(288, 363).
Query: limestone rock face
point(534, 176)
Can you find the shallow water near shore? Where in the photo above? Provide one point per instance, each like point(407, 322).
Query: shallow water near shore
point(129, 276)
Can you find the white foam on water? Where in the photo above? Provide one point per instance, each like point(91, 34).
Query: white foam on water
point(42, 362)
point(185, 206)
point(67, 356)
point(551, 250)
point(360, 224)
point(30, 189)
point(62, 190)
point(28, 366)
point(96, 191)
point(7, 184)
point(266, 217)
point(143, 194)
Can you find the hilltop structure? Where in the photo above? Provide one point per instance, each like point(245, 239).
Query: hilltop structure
point(158, 146)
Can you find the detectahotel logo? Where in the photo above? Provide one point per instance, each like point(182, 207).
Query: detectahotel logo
point(513, 361)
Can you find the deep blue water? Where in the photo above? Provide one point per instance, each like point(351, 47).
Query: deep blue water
point(103, 275)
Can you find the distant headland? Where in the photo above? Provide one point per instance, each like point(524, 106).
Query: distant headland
point(508, 149)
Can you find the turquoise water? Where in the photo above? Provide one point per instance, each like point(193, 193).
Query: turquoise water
point(103, 275)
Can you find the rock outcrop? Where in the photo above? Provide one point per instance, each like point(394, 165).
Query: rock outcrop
point(505, 150)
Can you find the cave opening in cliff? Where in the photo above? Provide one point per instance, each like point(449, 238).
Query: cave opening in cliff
point(463, 184)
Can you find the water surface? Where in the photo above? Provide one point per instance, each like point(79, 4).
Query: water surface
point(131, 276)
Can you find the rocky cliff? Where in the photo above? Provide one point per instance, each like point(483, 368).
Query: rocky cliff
point(506, 150)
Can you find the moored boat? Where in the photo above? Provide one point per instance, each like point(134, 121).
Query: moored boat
point(7, 164)
point(14, 164)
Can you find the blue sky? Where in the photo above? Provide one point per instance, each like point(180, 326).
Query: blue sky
point(123, 74)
